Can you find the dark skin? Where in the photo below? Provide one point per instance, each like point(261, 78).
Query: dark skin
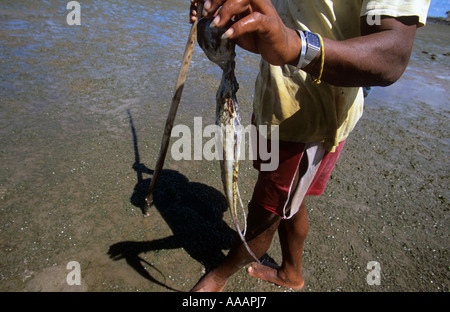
point(376, 58)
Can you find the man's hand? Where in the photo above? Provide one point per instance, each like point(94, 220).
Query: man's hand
point(258, 28)
point(193, 11)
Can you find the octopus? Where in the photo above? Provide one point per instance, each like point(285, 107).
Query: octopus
point(222, 52)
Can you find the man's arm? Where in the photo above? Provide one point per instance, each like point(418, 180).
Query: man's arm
point(377, 58)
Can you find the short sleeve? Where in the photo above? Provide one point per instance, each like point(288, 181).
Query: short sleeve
point(397, 8)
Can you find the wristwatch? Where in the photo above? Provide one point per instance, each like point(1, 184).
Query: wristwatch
point(310, 47)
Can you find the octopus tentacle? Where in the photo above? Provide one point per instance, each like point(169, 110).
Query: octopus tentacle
point(221, 52)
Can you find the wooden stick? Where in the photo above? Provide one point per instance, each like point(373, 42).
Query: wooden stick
point(188, 52)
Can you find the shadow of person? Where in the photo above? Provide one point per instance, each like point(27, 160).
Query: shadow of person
point(193, 211)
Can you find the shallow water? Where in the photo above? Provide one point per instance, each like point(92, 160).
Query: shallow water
point(117, 45)
point(427, 76)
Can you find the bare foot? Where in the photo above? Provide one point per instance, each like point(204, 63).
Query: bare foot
point(209, 283)
point(274, 275)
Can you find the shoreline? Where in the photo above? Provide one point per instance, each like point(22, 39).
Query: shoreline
point(438, 20)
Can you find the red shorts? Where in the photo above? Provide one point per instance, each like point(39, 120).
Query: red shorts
point(274, 188)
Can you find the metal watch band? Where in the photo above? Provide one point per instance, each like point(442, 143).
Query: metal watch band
point(313, 47)
point(303, 50)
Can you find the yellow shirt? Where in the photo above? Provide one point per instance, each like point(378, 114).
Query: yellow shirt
point(306, 112)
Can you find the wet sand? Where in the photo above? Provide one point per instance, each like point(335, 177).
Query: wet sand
point(82, 112)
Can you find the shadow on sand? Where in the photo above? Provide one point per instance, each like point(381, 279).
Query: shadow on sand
point(193, 211)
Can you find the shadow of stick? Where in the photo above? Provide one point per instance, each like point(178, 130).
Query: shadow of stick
point(193, 211)
point(130, 252)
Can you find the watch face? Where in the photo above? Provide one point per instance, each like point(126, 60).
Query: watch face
point(313, 40)
point(313, 47)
